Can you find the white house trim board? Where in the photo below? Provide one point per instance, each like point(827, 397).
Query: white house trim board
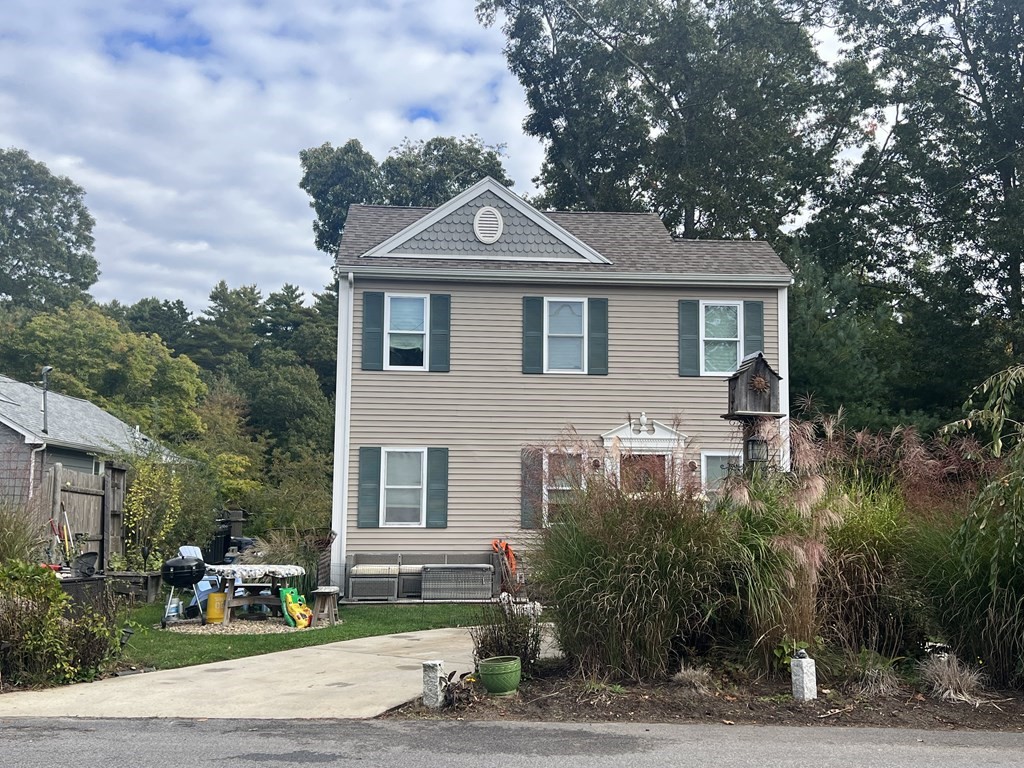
point(342, 428)
point(783, 325)
point(577, 277)
point(626, 438)
point(505, 195)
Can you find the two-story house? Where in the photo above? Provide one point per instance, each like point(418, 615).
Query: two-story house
point(486, 349)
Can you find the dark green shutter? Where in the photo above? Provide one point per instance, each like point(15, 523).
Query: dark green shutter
point(437, 487)
point(753, 327)
point(689, 337)
point(533, 334)
point(531, 488)
point(368, 514)
point(440, 332)
point(373, 331)
point(597, 340)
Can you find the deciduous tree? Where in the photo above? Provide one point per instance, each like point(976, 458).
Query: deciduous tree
point(46, 243)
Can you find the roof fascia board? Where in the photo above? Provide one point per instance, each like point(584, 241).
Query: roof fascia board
point(597, 278)
point(30, 436)
point(510, 198)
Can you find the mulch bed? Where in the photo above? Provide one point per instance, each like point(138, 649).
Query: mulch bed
point(557, 698)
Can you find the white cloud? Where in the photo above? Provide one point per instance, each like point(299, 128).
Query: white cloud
point(183, 120)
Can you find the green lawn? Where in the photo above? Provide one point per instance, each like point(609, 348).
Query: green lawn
point(159, 649)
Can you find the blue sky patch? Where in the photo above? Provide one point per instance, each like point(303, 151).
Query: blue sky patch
point(422, 112)
point(184, 43)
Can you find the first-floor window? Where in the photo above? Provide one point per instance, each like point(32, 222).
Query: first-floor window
point(403, 486)
point(716, 467)
point(563, 474)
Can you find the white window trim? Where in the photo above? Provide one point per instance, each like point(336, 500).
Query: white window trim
point(586, 340)
point(387, 331)
point(545, 476)
point(384, 451)
point(705, 455)
point(739, 331)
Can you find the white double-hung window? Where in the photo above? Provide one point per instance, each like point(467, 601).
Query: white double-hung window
point(403, 486)
point(565, 335)
point(716, 466)
point(721, 331)
point(405, 323)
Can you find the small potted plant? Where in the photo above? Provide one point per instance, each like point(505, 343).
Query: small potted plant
point(501, 674)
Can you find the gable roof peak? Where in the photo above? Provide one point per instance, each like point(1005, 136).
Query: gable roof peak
point(446, 231)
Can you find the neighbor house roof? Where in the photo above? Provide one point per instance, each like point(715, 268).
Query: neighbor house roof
point(634, 247)
point(71, 422)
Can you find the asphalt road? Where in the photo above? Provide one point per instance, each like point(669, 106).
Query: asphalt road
point(50, 742)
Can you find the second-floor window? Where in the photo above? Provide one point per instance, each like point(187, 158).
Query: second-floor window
point(720, 336)
point(565, 335)
point(406, 332)
point(406, 321)
point(565, 322)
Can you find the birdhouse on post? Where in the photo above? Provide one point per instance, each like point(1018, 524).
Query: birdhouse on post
point(754, 402)
point(754, 390)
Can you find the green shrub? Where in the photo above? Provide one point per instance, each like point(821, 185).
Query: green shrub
point(42, 640)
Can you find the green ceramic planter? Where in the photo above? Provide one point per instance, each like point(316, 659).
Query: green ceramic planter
point(500, 674)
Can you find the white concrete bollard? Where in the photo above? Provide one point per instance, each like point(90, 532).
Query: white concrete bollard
point(433, 696)
point(805, 680)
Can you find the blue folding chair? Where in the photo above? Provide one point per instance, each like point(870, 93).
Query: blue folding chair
point(209, 584)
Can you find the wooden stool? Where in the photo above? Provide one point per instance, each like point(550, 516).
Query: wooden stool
point(325, 605)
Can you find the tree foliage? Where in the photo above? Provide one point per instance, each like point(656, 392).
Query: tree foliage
point(718, 115)
point(414, 173)
point(941, 187)
point(46, 243)
point(133, 375)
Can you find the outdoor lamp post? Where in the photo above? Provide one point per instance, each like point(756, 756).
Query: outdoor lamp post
point(756, 450)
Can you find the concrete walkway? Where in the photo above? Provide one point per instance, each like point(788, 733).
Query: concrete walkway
point(351, 679)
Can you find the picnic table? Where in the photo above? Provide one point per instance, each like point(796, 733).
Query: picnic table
point(244, 584)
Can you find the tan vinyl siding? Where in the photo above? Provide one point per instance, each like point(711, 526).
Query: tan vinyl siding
point(485, 409)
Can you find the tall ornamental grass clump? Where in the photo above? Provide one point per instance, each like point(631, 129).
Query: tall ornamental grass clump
point(19, 538)
point(974, 578)
point(626, 575)
point(974, 573)
point(868, 600)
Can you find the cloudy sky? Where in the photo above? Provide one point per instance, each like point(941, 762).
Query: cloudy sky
point(183, 120)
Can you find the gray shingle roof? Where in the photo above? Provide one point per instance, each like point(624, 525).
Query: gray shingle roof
point(634, 243)
point(72, 423)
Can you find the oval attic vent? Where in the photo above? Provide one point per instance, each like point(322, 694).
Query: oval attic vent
point(488, 225)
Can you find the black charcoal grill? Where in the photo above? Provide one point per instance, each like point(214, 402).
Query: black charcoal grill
point(182, 573)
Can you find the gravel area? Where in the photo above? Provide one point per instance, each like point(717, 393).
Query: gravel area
point(271, 626)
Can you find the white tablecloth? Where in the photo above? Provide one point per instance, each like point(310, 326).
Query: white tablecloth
point(256, 571)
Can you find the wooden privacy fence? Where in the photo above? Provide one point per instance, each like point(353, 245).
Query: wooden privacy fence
point(94, 505)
